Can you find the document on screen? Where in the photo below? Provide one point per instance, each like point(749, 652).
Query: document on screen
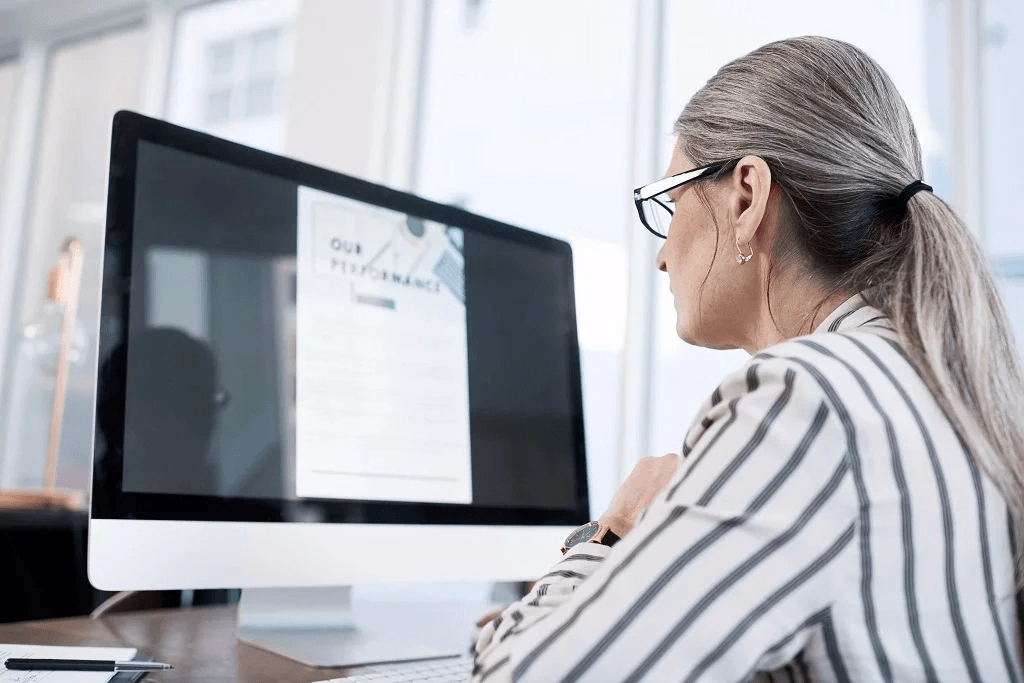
point(382, 385)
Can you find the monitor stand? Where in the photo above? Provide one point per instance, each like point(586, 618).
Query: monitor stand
point(322, 627)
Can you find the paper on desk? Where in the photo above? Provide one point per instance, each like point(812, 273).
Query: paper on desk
point(54, 652)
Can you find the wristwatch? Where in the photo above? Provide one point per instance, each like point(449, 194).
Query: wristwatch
point(591, 532)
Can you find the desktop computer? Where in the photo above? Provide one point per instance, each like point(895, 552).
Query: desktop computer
point(308, 381)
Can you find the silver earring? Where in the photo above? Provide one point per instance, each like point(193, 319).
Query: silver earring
point(742, 258)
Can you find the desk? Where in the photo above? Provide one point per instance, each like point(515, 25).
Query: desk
point(200, 642)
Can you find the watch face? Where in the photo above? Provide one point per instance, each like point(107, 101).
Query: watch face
point(582, 534)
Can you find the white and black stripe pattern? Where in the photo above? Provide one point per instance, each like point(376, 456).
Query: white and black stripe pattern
point(827, 524)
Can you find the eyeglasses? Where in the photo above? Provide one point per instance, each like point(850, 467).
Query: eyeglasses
point(656, 207)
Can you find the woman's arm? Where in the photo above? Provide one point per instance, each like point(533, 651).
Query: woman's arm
point(728, 570)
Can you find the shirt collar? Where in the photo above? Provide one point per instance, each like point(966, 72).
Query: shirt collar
point(852, 313)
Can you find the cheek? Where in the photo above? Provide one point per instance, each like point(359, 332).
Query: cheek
point(690, 251)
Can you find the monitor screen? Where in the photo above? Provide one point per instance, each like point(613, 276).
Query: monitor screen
point(284, 343)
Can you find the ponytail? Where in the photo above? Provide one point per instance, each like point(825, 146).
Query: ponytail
point(942, 298)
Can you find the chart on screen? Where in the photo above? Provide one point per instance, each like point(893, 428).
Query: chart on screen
point(382, 389)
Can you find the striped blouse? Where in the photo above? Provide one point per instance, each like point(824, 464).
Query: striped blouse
point(826, 524)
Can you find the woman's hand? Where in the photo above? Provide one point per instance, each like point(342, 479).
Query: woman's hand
point(649, 477)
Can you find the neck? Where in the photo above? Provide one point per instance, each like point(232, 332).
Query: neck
point(797, 308)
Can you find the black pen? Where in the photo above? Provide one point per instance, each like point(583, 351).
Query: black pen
point(81, 665)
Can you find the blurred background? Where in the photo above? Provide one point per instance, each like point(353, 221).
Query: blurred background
point(542, 114)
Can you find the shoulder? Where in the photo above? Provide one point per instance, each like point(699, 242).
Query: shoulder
point(841, 362)
point(799, 376)
point(813, 365)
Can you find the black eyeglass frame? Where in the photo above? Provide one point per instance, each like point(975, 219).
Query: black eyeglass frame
point(650, 191)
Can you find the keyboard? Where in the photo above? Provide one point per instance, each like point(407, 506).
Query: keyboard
point(449, 670)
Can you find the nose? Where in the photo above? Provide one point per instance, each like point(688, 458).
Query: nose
point(659, 259)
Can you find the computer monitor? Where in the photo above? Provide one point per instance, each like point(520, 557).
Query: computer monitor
point(307, 379)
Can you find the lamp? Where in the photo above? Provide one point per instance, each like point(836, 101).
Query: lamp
point(55, 338)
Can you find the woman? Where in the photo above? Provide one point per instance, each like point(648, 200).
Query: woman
point(844, 505)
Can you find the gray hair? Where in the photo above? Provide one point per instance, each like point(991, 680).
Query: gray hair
point(841, 145)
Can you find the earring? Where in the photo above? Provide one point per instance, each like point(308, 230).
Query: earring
point(742, 258)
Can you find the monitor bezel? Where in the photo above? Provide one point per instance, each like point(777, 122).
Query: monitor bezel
point(109, 501)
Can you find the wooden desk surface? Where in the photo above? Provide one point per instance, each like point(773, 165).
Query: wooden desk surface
point(200, 642)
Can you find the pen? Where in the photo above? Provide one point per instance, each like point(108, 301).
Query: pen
point(81, 665)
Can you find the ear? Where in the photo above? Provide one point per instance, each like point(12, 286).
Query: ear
point(746, 193)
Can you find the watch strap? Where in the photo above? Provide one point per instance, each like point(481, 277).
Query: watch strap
point(608, 538)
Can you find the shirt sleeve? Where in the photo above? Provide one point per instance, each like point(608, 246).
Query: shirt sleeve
point(729, 570)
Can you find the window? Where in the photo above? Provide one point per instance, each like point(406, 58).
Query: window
point(524, 97)
point(1002, 143)
point(8, 71)
point(517, 97)
point(87, 83)
point(909, 44)
point(230, 70)
point(243, 78)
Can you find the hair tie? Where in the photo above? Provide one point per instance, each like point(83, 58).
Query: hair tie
point(910, 190)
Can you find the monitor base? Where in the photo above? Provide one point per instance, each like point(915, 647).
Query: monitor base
point(321, 627)
point(330, 648)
